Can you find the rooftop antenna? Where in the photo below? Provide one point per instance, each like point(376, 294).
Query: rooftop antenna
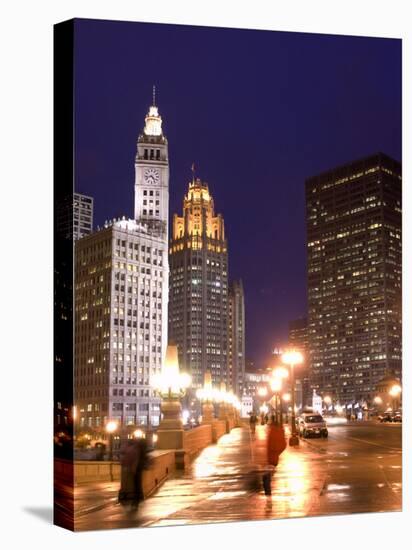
point(193, 172)
point(154, 96)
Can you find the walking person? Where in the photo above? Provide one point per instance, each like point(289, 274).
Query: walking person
point(133, 462)
point(252, 422)
point(275, 445)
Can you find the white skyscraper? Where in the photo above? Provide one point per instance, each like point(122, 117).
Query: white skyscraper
point(121, 299)
point(152, 174)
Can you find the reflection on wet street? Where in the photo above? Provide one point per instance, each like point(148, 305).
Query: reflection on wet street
point(353, 471)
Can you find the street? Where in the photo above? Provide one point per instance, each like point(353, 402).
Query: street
point(357, 469)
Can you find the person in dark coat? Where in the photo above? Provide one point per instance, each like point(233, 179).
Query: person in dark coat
point(252, 422)
point(276, 444)
point(133, 462)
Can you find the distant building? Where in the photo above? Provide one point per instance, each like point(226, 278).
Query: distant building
point(298, 339)
point(236, 337)
point(198, 303)
point(354, 248)
point(75, 216)
point(252, 382)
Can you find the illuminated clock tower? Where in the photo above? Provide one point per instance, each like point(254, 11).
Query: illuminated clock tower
point(152, 174)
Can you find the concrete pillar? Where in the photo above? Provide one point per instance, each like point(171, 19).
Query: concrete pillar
point(170, 433)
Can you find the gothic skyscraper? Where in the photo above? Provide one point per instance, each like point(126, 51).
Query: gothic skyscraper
point(198, 305)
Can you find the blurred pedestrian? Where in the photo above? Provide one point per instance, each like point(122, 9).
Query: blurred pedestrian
point(252, 422)
point(275, 445)
point(134, 460)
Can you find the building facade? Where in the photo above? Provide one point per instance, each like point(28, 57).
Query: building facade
point(354, 251)
point(121, 297)
point(75, 216)
point(236, 337)
point(198, 304)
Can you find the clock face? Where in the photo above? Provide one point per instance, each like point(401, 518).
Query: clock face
point(151, 175)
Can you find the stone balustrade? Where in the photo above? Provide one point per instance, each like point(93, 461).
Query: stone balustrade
point(219, 428)
point(162, 464)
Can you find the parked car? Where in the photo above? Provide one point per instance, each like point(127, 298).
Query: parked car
point(397, 417)
point(312, 424)
point(385, 417)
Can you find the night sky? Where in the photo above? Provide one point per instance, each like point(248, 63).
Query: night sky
point(257, 112)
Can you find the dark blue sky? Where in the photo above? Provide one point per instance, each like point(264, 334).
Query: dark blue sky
point(258, 112)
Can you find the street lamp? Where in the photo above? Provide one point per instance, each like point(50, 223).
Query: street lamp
point(394, 392)
point(276, 386)
point(111, 427)
point(171, 385)
point(292, 358)
point(207, 395)
point(262, 393)
point(280, 372)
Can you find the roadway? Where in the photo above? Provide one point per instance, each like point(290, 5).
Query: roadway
point(357, 469)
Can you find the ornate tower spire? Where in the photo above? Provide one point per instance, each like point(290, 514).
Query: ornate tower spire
point(153, 121)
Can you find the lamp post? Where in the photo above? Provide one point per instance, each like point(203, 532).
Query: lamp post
point(276, 386)
point(262, 393)
point(171, 385)
point(293, 358)
point(111, 427)
point(207, 395)
point(280, 373)
point(395, 392)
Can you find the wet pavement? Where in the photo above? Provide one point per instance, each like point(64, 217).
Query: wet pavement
point(358, 469)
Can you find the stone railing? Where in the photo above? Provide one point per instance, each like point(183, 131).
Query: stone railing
point(197, 439)
point(162, 464)
point(219, 428)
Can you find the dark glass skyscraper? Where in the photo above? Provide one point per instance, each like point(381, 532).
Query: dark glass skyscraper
point(354, 277)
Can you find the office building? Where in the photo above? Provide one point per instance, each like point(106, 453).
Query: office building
point(121, 297)
point(354, 249)
point(236, 337)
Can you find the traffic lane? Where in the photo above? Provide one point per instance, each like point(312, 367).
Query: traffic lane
point(387, 437)
point(363, 469)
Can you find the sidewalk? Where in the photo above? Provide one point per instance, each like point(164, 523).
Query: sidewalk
point(220, 485)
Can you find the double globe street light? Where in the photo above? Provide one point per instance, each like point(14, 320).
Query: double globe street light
point(171, 385)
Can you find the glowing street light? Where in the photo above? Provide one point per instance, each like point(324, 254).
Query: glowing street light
point(207, 395)
point(293, 357)
point(276, 387)
point(171, 385)
point(280, 372)
point(139, 434)
point(110, 428)
point(262, 391)
point(276, 384)
point(395, 392)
